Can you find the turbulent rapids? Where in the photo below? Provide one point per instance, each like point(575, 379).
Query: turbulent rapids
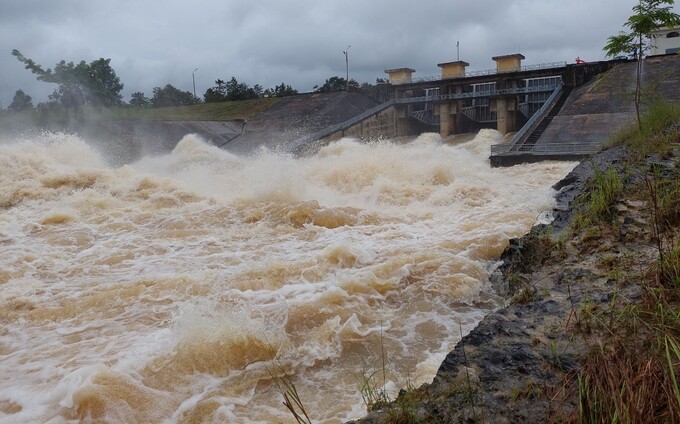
point(174, 289)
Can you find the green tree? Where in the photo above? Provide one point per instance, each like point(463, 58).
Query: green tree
point(171, 96)
point(281, 90)
point(103, 85)
point(256, 91)
point(221, 86)
point(21, 101)
point(138, 99)
point(95, 83)
point(241, 91)
point(212, 95)
point(235, 89)
point(337, 84)
point(649, 15)
point(216, 94)
point(70, 91)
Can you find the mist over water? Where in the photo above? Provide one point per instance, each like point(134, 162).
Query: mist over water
point(173, 288)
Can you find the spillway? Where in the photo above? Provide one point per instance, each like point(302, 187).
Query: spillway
point(180, 288)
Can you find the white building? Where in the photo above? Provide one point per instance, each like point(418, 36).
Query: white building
point(665, 41)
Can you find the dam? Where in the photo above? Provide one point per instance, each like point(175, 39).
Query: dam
point(549, 111)
point(553, 111)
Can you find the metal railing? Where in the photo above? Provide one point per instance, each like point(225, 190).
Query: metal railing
point(427, 79)
point(550, 65)
point(478, 94)
point(536, 118)
point(480, 114)
point(425, 116)
point(481, 73)
point(469, 111)
point(547, 148)
point(348, 123)
point(485, 72)
point(524, 109)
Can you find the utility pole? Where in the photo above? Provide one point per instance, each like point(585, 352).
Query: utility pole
point(193, 78)
point(346, 53)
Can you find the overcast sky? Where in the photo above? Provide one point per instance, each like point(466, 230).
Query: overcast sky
point(300, 42)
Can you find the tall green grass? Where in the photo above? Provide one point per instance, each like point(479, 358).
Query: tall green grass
point(597, 203)
point(656, 134)
point(630, 373)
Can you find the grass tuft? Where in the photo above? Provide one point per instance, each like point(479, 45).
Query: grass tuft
point(291, 397)
point(598, 202)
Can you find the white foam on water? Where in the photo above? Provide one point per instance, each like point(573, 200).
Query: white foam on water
point(179, 288)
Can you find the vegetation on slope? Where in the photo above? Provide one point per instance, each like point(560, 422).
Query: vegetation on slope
point(223, 111)
point(59, 119)
point(631, 370)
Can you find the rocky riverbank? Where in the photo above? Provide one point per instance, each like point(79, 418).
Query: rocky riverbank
point(522, 362)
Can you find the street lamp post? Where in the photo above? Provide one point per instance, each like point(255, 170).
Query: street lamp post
point(346, 53)
point(193, 78)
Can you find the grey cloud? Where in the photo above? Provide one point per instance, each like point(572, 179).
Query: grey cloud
point(300, 42)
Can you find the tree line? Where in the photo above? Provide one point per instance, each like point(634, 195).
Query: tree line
point(96, 84)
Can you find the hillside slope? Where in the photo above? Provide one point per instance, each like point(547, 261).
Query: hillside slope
point(280, 126)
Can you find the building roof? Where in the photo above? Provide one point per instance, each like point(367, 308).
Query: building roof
point(509, 56)
point(458, 62)
point(389, 71)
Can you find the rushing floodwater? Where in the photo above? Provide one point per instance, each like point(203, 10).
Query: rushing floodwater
point(172, 289)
